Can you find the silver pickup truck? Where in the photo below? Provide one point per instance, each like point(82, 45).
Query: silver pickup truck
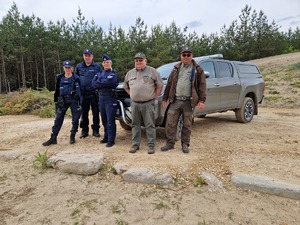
point(231, 86)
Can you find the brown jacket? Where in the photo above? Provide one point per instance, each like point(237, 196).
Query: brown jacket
point(198, 85)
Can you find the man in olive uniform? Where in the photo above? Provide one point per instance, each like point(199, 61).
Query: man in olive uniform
point(143, 84)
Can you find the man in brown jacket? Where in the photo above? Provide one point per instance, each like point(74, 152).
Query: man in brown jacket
point(186, 89)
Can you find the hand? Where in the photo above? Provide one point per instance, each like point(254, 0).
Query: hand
point(164, 104)
point(76, 96)
point(200, 105)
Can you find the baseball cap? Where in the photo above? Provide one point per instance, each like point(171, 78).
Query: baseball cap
point(87, 51)
point(105, 57)
point(67, 63)
point(140, 55)
point(186, 49)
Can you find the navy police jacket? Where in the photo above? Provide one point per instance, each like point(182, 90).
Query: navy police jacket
point(106, 81)
point(67, 86)
point(86, 74)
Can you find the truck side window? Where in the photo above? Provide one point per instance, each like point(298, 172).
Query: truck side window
point(208, 66)
point(225, 69)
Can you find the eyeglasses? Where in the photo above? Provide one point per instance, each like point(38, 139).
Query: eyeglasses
point(138, 60)
point(186, 55)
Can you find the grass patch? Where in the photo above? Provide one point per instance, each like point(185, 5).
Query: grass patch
point(160, 205)
point(273, 92)
point(273, 98)
point(118, 208)
point(3, 178)
point(120, 222)
point(296, 84)
point(199, 182)
point(24, 101)
point(295, 66)
point(41, 160)
point(89, 204)
point(30, 101)
point(75, 213)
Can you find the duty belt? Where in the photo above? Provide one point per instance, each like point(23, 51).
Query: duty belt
point(89, 93)
point(67, 96)
point(106, 94)
point(143, 101)
point(183, 98)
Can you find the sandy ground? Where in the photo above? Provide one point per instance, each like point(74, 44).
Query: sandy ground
point(268, 146)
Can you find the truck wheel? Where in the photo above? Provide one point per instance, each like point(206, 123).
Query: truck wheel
point(246, 112)
point(124, 125)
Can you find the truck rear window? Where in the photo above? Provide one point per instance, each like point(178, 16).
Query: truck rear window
point(248, 70)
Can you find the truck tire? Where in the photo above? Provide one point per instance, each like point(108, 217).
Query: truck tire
point(246, 112)
point(124, 125)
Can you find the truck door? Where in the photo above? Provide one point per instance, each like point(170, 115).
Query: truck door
point(229, 85)
point(213, 95)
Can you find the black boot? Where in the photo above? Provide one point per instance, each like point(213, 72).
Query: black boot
point(72, 138)
point(51, 141)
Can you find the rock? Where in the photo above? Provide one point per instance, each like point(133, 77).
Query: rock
point(120, 167)
point(213, 183)
point(82, 164)
point(266, 185)
point(146, 176)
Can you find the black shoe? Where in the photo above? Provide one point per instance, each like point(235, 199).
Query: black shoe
point(84, 134)
point(185, 148)
point(51, 141)
point(103, 141)
point(72, 139)
point(96, 134)
point(110, 144)
point(166, 148)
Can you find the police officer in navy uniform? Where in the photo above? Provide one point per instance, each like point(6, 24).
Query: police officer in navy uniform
point(105, 83)
point(86, 70)
point(67, 94)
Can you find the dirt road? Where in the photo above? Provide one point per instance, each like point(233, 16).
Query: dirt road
point(268, 146)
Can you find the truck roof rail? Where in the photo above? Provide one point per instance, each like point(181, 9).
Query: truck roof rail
point(215, 56)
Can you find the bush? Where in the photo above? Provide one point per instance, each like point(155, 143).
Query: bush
point(25, 101)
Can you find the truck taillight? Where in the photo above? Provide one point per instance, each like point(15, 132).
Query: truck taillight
point(264, 88)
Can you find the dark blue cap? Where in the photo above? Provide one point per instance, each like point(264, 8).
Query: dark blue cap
point(67, 63)
point(105, 57)
point(88, 51)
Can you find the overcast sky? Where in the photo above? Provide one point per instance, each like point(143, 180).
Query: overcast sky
point(202, 16)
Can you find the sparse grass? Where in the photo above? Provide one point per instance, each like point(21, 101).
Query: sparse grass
point(273, 98)
point(120, 222)
point(295, 66)
point(296, 84)
point(104, 168)
point(41, 160)
point(147, 193)
point(3, 178)
point(89, 204)
point(45, 221)
point(202, 223)
point(199, 182)
point(230, 215)
point(75, 213)
point(273, 92)
point(118, 208)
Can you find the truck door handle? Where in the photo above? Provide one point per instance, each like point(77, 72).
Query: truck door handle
point(235, 83)
point(217, 84)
